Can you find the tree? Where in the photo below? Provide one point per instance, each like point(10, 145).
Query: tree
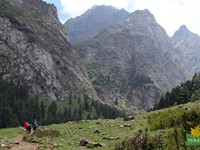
point(5, 116)
point(80, 111)
point(52, 113)
point(89, 117)
point(42, 112)
point(75, 114)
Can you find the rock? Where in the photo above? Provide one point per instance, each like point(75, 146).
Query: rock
point(85, 142)
point(97, 122)
point(121, 126)
point(140, 131)
point(110, 138)
point(154, 72)
point(55, 145)
point(39, 61)
point(127, 118)
point(16, 142)
point(41, 145)
point(187, 108)
point(127, 125)
point(96, 132)
point(93, 22)
point(4, 146)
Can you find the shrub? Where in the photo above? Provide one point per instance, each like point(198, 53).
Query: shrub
point(176, 140)
point(141, 141)
point(165, 119)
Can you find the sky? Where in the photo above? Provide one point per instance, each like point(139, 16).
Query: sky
point(170, 14)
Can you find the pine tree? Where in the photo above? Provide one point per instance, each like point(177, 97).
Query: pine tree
point(42, 112)
point(52, 113)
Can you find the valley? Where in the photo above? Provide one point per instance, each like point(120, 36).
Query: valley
point(68, 135)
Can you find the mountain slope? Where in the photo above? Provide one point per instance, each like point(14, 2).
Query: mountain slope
point(186, 92)
point(132, 61)
point(187, 47)
point(35, 51)
point(92, 22)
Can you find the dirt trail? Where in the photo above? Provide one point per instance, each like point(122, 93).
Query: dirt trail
point(23, 145)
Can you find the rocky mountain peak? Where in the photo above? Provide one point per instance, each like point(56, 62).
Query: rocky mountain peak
point(35, 51)
point(134, 59)
point(92, 22)
point(182, 32)
point(144, 15)
point(187, 46)
point(183, 28)
point(97, 8)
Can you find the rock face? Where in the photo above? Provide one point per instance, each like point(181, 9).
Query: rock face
point(187, 46)
point(92, 22)
point(132, 61)
point(34, 50)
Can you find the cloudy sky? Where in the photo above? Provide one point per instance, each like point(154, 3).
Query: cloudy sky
point(170, 14)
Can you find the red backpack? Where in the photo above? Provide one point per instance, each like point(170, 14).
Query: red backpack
point(26, 125)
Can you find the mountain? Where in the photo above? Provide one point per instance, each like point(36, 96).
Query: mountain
point(132, 61)
point(92, 22)
point(35, 51)
point(187, 46)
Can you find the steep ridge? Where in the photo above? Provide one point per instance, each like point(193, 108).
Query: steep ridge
point(35, 51)
point(187, 46)
point(92, 22)
point(132, 61)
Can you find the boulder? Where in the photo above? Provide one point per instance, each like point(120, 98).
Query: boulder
point(96, 131)
point(127, 118)
point(127, 125)
point(85, 142)
point(16, 142)
point(110, 138)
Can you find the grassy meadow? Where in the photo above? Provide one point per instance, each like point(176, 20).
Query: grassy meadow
point(160, 129)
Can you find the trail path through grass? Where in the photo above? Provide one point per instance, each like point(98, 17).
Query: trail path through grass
point(23, 145)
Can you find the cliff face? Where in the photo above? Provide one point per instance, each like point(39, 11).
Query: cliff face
point(34, 51)
point(92, 22)
point(132, 62)
point(187, 46)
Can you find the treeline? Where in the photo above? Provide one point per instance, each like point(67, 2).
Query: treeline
point(186, 92)
point(17, 105)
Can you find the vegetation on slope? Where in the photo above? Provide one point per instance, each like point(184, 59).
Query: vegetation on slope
point(168, 129)
point(184, 93)
point(150, 130)
point(17, 105)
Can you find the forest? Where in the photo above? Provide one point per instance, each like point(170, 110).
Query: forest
point(181, 94)
point(18, 104)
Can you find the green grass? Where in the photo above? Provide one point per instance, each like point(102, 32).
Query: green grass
point(9, 132)
point(73, 132)
point(68, 135)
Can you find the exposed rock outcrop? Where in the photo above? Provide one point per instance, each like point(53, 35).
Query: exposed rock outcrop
point(187, 46)
point(132, 61)
point(34, 51)
point(92, 22)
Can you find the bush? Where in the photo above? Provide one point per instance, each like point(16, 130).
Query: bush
point(141, 141)
point(165, 119)
point(176, 140)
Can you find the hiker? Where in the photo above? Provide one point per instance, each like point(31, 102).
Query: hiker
point(27, 126)
point(35, 125)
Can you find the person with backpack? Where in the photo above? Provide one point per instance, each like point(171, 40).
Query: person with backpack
point(35, 125)
point(27, 126)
